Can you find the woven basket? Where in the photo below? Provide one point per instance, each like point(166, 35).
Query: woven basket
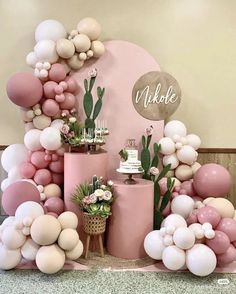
point(93, 225)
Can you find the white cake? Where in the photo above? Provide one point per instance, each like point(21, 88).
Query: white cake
point(132, 164)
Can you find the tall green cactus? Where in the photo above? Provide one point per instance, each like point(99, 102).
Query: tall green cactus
point(90, 111)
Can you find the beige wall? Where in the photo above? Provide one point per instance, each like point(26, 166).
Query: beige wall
point(194, 40)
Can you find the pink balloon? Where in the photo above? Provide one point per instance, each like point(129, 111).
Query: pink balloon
point(188, 187)
point(177, 189)
point(69, 101)
point(72, 86)
point(27, 170)
point(57, 166)
point(234, 243)
point(182, 192)
point(57, 178)
point(17, 193)
point(58, 90)
point(228, 226)
point(57, 72)
point(192, 218)
point(220, 243)
point(38, 159)
point(212, 180)
point(49, 89)
point(50, 107)
point(43, 177)
point(208, 214)
point(227, 257)
point(163, 185)
point(54, 204)
point(55, 157)
point(24, 89)
point(174, 194)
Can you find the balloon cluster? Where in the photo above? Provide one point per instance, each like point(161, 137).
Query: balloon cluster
point(199, 231)
point(53, 45)
point(179, 150)
point(35, 236)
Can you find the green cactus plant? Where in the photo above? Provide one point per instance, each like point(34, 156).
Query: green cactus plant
point(90, 110)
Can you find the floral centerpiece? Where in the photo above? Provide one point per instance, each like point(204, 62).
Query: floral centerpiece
point(71, 132)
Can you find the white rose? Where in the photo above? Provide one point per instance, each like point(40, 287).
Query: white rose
point(110, 183)
point(107, 195)
point(72, 119)
point(99, 193)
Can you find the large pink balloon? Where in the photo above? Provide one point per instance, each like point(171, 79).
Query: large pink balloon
point(57, 166)
point(54, 204)
point(17, 193)
point(227, 257)
point(24, 89)
point(228, 226)
point(220, 243)
point(27, 170)
point(57, 73)
point(212, 180)
point(57, 178)
point(43, 177)
point(208, 214)
point(192, 218)
point(38, 159)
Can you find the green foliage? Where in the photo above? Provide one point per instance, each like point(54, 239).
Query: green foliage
point(145, 159)
point(123, 154)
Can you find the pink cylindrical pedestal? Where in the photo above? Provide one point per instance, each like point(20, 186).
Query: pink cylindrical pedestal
point(79, 168)
point(131, 219)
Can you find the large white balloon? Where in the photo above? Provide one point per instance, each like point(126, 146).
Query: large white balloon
point(187, 154)
point(51, 138)
point(57, 123)
point(31, 59)
point(173, 258)
point(5, 183)
point(174, 220)
point(45, 50)
point(13, 155)
point(32, 140)
point(29, 209)
point(182, 205)
point(167, 146)
point(14, 174)
point(9, 258)
point(175, 127)
point(50, 29)
point(172, 160)
point(153, 245)
point(194, 141)
point(201, 260)
point(184, 238)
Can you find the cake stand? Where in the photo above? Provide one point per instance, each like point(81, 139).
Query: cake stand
point(130, 180)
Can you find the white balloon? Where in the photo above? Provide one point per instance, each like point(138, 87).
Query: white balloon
point(32, 140)
point(175, 127)
point(50, 138)
point(171, 159)
point(182, 205)
point(168, 240)
point(12, 238)
point(194, 141)
point(174, 220)
point(29, 209)
point(9, 258)
point(45, 50)
point(184, 238)
point(5, 183)
point(8, 221)
point(29, 249)
point(187, 154)
point(153, 245)
point(201, 260)
point(14, 174)
point(50, 29)
point(31, 59)
point(57, 124)
point(13, 155)
point(173, 258)
point(167, 146)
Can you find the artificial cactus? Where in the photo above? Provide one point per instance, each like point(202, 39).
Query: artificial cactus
point(91, 113)
point(94, 180)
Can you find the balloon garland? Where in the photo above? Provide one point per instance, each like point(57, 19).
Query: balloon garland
point(35, 168)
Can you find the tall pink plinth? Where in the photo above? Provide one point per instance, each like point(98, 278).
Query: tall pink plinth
point(79, 168)
point(131, 219)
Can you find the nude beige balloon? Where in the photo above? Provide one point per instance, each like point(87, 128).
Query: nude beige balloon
point(65, 48)
point(76, 252)
point(68, 239)
point(82, 43)
point(90, 27)
point(74, 62)
point(98, 49)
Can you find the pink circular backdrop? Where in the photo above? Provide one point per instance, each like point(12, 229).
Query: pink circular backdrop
point(118, 69)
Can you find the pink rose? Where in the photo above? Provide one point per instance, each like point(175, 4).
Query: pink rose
point(92, 198)
point(154, 171)
point(149, 131)
point(65, 129)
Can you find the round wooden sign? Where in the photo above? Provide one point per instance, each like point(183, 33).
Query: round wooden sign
point(156, 95)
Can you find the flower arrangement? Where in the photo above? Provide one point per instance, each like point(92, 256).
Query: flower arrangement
point(95, 198)
point(71, 132)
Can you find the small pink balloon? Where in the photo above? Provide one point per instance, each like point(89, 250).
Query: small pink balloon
point(24, 89)
point(63, 84)
point(192, 218)
point(49, 151)
point(72, 86)
point(17, 193)
point(212, 180)
point(228, 226)
point(53, 214)
point(50, 107)
point(58, 89)
point(57, 73)
point(37, 159)
point(54, 204)
point(183, 192)
point(227, 257)
point(55, 157)
point(220, 243)
point(163, 185)
point(60, 98)
point(57, 166)
point(69, 101)
point(48, 157)
point(188, 187)
point(208, 214)
point(43, 177)
point(177, 189)
point(27, 170)
point(174, 194)
point(57, 178)
point(49, 89)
